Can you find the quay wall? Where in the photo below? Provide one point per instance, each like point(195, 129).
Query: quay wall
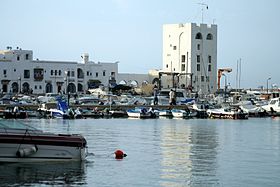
point(100, 107)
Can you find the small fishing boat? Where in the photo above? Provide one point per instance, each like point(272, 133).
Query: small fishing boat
point(22, 143)
point(179, 113)
point(227, 113)
point(165, 113)
point(138, 112)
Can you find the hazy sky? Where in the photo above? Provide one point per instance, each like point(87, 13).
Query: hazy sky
point(130, 31)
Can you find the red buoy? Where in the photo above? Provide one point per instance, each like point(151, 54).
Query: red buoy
point(119, 154)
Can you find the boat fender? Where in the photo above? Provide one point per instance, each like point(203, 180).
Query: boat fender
point(27, 151)
point(119, 154)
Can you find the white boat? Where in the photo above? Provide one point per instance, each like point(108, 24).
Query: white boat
point(273, 106)
point(227, 113)
point(178, 113)
point(164, 113)
point(141, 113)
point(22, 143)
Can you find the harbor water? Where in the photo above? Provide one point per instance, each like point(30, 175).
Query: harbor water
point(161, 152)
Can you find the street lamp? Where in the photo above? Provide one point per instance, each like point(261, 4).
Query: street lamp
point(267, 84)
point(66, 81)
point(19, 78)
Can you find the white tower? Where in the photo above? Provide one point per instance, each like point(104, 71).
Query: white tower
point(190, 52)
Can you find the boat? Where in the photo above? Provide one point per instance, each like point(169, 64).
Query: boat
point(62, 111)
point(227, 113)
point(165, 113)
point(139, 112)
point(14, 112)
point(179, 113)
point(273, 106)
point(22, 143)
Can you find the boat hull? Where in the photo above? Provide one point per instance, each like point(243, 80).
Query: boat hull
point(36, 146)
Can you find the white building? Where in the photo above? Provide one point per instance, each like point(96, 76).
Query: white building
point(19, 72)
point(190, 57)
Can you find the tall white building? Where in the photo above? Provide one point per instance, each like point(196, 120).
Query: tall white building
point(190, 57)
point(20, 73)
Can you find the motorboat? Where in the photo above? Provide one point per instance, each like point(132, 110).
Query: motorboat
point(22, 143)
point(227, 113)
point(165, 113)
point(273, 106)
point(14, 112)
point(139, 112)
point(179, 113)
point(61, 111)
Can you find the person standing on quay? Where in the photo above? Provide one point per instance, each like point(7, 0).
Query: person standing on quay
point(172, 97)
point(155, 95)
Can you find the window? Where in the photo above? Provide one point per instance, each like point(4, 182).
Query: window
point(26, 56)
point(59, 72)
point(72, 73)
point(198, 46)
point(104, 73)
point(209, 67)
point(207, 79)
point(202, 78)
point(198, 67)
point(18, 58)
point(183, 58)
point(51, 72)
point(197, 58)
point(4, 71)
point(209, 37)
point(209, 59)
point(35, 87)
point(166, 65)
point(40, 87)
point(55, 72)
point(183, 67)
point(96, 74)
point(198, 36)
point(26, 73)
point(174, 47)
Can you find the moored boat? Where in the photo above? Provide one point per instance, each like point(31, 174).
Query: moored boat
point(141, 113)
point(22, 143)
point(227, 113)
point(178, 113)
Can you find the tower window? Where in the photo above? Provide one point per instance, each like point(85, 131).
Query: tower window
point(198, 36)
point(209, 67)
point(197, 58)
point(198, 67)
point(174, 47)
point(198, 46)
point(209, 59)
point(209, 36)
point(183, 58)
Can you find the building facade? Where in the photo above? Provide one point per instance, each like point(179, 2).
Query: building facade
point(20, 73)
point(190, 57)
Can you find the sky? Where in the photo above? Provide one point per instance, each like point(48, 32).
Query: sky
point(130, 31)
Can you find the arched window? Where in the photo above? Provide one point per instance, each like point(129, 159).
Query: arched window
point(209, 37)
point(198, 36)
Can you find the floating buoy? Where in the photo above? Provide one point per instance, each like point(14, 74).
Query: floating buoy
point(119, 154)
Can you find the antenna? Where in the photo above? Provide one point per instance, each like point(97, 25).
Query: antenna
point(202, 9)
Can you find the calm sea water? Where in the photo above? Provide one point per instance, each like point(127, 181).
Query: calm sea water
point(161, 152)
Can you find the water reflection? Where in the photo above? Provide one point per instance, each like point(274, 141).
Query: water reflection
point(203, 155)
point(26, 174)
point(189, 155)
point(176, 163)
